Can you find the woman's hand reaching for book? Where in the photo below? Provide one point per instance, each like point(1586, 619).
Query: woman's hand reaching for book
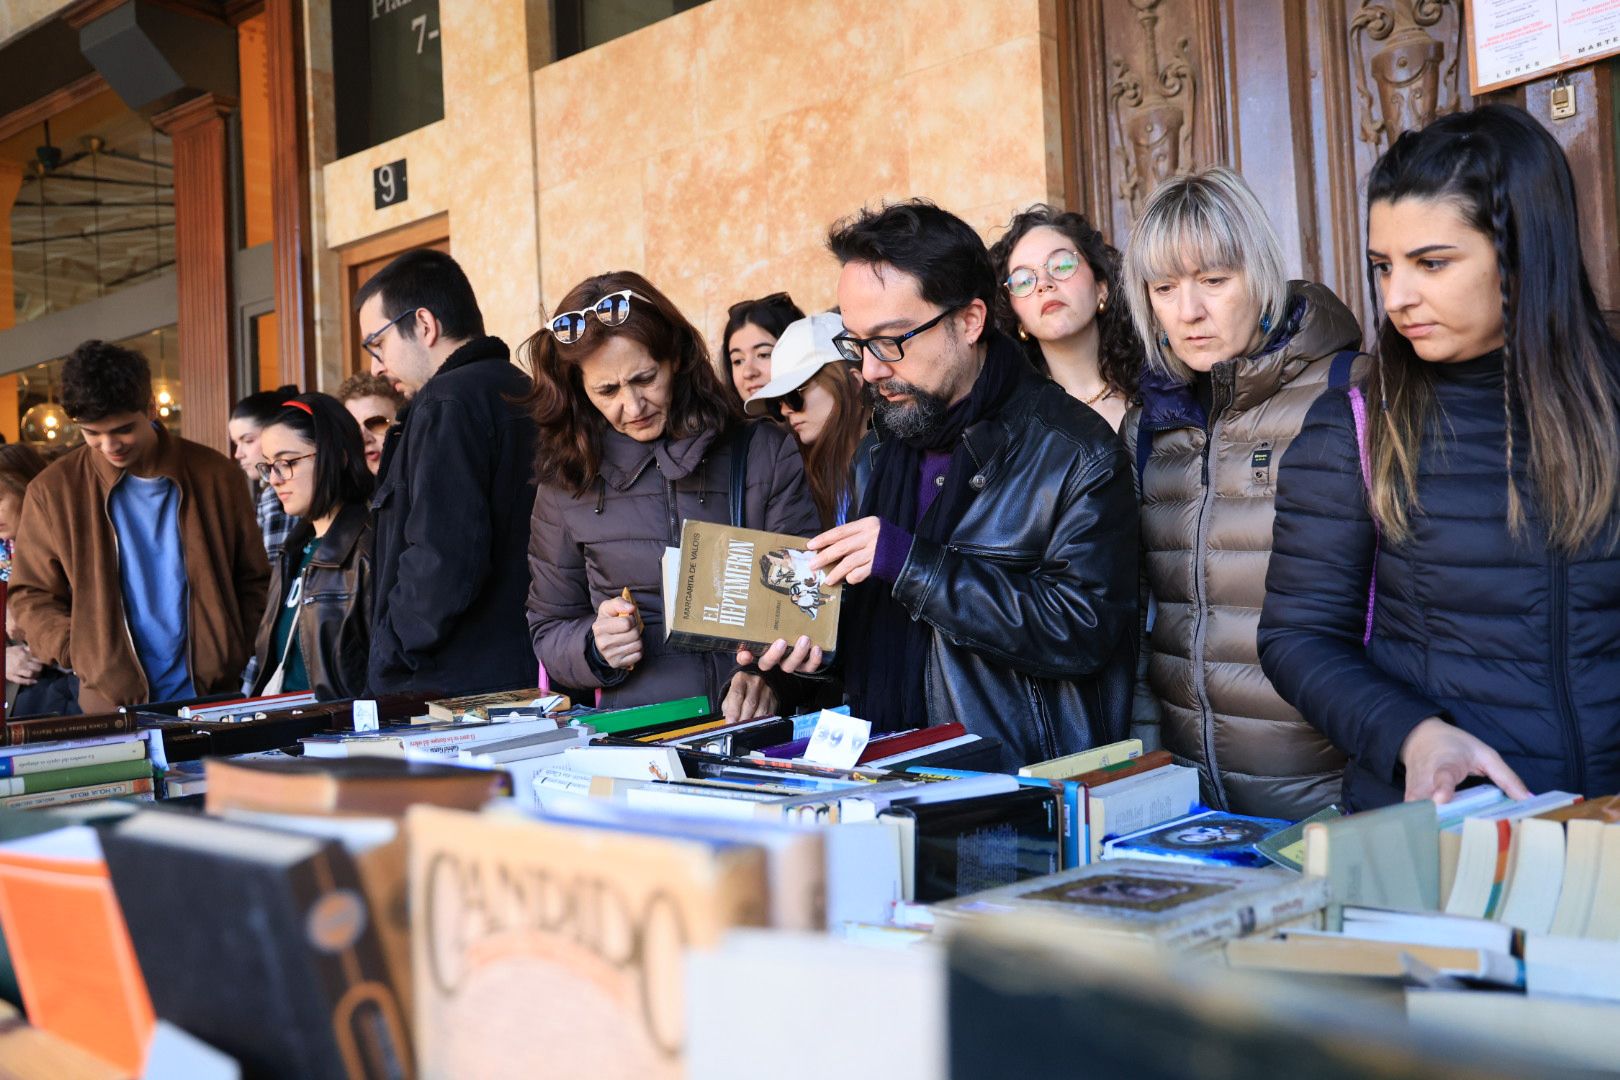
point(1439, 756)
point(617, 632)
point(748, 696)
point(800, 658)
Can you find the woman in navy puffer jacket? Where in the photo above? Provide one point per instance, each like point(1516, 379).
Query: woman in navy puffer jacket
point(1490, 643)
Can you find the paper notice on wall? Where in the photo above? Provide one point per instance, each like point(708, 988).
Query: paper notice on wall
point(1515, 40)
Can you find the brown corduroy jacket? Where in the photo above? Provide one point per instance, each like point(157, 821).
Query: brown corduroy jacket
point(68, 597)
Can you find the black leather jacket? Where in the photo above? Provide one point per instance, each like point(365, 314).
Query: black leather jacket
point(334, 614)
point(1033, 601)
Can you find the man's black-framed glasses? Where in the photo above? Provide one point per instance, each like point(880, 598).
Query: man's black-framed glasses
point(889, 348)
point(371, 339)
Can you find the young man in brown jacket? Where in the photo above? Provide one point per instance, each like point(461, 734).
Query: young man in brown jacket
point(138, 561)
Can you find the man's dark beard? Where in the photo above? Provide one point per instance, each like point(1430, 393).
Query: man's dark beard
point(919, 418)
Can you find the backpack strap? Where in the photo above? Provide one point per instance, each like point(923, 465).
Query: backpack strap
point(739, 473)
point(1340, 369)
point(1358, 409)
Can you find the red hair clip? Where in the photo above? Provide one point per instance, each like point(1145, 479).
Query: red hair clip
point(298, 405)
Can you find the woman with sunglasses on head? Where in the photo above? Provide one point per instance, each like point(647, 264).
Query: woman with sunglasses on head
point(1236, 355)
point(316, 631)
point(247, 420)
point(638, 434)
point(375, 403)
point(749, 341)
point(1059, 283)
point(818, 394)
point(1444, 597)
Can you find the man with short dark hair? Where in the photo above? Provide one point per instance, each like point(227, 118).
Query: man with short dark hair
point(993, 558)
point(454, 490)
point(139, 563)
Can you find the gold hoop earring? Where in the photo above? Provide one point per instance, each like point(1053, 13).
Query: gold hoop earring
point(1102, 303)
point(1023, 335)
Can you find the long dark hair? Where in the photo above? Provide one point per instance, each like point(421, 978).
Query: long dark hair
point(569, 451)
point(1119, 351)
point(263, 407)
point(771, 314)
point(1510, 180)
point(829, 461)
point(341, 475)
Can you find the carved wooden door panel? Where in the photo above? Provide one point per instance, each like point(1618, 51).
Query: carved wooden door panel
point(1301, 96)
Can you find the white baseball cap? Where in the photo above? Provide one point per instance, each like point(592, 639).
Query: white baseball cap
point(804, 348)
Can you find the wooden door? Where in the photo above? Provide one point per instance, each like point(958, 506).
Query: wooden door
point(361, 260)
point(1301, 97)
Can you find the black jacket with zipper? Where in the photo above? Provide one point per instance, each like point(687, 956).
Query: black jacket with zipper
point(1033, 600)
point(1495, 633)
point(334, 607)
point(452, 522)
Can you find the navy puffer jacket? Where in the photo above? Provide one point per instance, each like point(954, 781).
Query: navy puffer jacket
point(1502, 636)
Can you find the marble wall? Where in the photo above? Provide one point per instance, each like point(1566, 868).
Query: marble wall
point(20, 16)
point(711, 150)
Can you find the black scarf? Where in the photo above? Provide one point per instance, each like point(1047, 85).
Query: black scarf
point(886, 665)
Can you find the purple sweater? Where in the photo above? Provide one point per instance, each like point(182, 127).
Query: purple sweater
point(894, 542)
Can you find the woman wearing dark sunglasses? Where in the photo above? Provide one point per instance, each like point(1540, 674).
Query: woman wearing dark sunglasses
point(1059, 283)
point(316, 631)
point(637, 434)
point(375, 403)
point(818, 394)
point(749, 341)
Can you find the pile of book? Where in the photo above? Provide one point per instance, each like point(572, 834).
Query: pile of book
point(418, 874)
point(61, 760)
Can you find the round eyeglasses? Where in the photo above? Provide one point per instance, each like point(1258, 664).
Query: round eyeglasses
point(1060, 266)
point(612, 310)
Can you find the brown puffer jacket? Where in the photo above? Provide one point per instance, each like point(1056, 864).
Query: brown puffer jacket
point(584, 549)
point(1207, 503)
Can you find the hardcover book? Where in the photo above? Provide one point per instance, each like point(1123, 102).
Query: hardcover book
point(1171, 904)
point(559, 949)
point(1214, 837)
point(281, 967)
point(725, 587)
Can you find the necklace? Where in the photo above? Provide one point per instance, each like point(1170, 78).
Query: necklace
point(1098, 396)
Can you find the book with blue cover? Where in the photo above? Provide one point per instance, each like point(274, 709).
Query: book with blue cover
point(1214, 838)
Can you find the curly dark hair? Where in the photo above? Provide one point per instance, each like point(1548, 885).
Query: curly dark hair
point(365, 384)
point(101, 379)
point(1119, 354)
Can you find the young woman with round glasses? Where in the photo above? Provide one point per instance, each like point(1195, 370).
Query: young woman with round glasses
point(316, 631)
point(1060, 297)
point(819, 396)
point(637, 435)
point(749, 341)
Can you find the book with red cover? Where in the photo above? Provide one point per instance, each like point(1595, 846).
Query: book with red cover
point(900, 741)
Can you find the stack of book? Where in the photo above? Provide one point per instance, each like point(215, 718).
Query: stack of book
point(41, 768)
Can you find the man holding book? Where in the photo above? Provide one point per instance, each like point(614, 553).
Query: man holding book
point(140, 564)
point(454, 488)
point(993, 557)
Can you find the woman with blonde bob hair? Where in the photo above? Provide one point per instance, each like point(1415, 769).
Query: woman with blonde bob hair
point(1236, 354)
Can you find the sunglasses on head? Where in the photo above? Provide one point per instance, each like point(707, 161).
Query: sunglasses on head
point(776, 298)
point(612, 310)
point(1060, 266)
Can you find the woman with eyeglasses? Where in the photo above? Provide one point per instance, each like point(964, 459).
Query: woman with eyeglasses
point(749, 341)
point(1236, 355)
point(247, 420)
point(818, 394)
point(316, 631)
point(637, 435)
point(375, 403)
point(1060, 297)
